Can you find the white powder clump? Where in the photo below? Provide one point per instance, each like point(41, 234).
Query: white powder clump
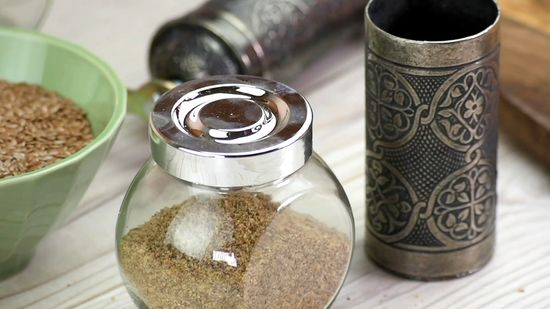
point(200, 228)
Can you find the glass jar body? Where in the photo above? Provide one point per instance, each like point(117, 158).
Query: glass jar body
point(286, 244)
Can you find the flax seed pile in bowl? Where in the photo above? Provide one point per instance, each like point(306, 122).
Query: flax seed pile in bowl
point(37, 128)
point(47, 156)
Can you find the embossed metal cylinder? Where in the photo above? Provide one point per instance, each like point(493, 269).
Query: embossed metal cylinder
point(270, 38)
point(432, 134)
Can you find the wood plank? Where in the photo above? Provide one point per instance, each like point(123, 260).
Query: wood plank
point(525, 75)
point(532, 13)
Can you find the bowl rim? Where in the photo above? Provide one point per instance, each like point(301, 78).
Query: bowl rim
point(117, 117)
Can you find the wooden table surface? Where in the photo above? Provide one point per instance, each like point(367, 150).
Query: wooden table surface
point(75, 266)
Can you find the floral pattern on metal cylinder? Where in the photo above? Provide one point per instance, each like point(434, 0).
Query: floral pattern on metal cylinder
point(432, 126)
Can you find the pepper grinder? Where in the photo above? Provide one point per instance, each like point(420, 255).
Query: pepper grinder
point(270, 38)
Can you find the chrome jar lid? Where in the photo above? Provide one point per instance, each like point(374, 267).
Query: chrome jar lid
point(231, 131)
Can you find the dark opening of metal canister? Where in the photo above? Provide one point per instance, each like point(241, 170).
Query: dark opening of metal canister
point(433, 20)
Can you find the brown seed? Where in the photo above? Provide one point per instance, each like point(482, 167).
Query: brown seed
point(284, 259)
point(37, 128)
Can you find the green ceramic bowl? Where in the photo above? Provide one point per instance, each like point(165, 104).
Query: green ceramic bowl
point(33, 204)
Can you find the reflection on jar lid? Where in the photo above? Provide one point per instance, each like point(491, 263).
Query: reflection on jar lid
point(231, 131)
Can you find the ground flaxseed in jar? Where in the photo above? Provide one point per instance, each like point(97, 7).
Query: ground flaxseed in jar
point(37, 128)
point(235, 251)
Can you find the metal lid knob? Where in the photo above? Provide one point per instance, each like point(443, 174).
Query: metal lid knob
point(231, 131)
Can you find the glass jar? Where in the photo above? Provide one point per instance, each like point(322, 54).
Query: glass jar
point(234, 210)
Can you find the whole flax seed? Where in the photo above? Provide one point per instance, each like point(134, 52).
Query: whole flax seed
point(37, 128)
point(283, 259)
